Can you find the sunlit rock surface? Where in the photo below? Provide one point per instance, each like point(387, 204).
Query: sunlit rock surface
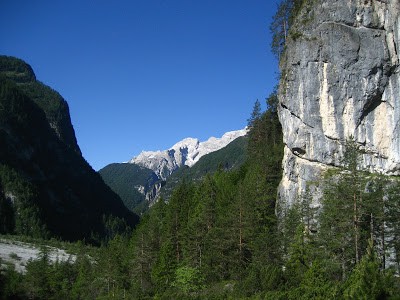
point(340, 78)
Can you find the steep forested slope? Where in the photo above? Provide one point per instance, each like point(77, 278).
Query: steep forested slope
point(228, 158)
point(131, 182)
point(46, 185)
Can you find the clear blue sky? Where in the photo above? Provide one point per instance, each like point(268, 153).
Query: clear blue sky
point(144, 74)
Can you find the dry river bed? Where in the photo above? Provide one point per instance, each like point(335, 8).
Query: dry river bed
point(19, 253)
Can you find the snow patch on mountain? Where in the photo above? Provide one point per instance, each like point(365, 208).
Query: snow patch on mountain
point(186, 152)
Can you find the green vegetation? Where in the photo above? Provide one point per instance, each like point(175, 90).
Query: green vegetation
point(56, 110)
point(345, 246)
point(16, 69)
point(217, 237)
point(20, 213)
point(124, 179)
point(230, 157)
point(282, 21)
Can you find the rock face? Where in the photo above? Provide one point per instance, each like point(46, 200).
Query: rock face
point(340, 78)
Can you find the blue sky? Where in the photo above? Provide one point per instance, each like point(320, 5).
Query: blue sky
point(144, 74)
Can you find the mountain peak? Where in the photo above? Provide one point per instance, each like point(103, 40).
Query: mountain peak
point(185, 152)
point(16, 69)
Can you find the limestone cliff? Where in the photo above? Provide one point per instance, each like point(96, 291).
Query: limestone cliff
point(340, 78)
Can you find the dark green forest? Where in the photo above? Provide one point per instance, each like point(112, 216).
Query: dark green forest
point(224, 236)
point(122, 179)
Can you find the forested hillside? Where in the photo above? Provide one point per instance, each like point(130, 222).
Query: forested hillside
point(47, 189)
point(226, 235)
point(131, 182)
point(230, 157)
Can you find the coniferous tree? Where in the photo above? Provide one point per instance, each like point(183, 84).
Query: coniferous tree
point(83, 287)
point(342, 224)
point(7, 217)
point(37, 276)
point(282, 21)
point(171, 253)
point(279, 27)
point(391, 222)
point(366, 281)
point(201, 224)
point(145, 246)
point(11, 283)
point(255, 129)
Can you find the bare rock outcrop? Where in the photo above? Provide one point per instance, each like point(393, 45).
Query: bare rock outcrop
point(340, 78)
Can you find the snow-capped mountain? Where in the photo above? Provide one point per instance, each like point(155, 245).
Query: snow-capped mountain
point(186, 152)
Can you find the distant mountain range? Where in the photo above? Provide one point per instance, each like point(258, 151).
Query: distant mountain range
point(141, 181)
point(184, 153)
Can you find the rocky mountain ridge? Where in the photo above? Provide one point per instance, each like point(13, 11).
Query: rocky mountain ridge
point(340, 79)
point(184, 153)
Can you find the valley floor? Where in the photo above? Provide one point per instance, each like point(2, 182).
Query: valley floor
point(19, 253)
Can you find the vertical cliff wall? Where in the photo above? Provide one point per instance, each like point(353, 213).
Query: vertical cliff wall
point(340, 78)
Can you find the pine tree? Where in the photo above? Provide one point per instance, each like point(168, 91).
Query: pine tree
point(11, 283)
point(83, 287)
point(171, 254)
point(7, 217)
point(343, 225)
point(37, 275)
point(145, 246)
point(367, 280)
point(392, 221)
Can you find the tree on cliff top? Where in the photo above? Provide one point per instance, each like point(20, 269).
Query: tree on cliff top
point(282, 21)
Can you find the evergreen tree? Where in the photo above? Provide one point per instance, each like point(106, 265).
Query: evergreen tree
point(83, 286)
point(282, 21)
point(114, 266)
point(391, 222)
point(188, 280)
point(37, 281)
point(145, 246)
point(61, 279)
point(11, 286)
point(255, 129)
point(366, 281)
point(171, 253)
point(7, 218)
point(342, 220)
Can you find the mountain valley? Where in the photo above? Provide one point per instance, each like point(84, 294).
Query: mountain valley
point(303, 203)
point(146, 177)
